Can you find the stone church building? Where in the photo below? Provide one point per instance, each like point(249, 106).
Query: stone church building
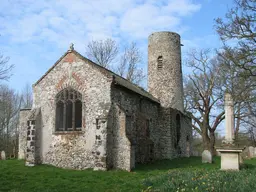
point(85, 116)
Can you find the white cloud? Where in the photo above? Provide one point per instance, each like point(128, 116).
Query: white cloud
point(32, 20)
point(146, 18)
point(182, 7)
point(50, 26)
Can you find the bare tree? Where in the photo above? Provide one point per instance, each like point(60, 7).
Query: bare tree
point(128, 65)
point(5, 68)
point(26, 96)
point(241, 88)
point(102, 52)
point(202, 94)
point(239, 25)
point(10, 102)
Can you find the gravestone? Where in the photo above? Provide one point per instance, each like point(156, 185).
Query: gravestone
point(3, 155)
point(251, 152)
point(206, 156)
point(254, 151)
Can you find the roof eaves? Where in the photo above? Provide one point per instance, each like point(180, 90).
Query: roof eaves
point(105, 71)
point(137, 90)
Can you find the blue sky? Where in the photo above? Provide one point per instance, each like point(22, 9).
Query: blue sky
point(34, 34)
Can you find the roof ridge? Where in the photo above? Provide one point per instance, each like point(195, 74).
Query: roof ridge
point(105, 69)
point(113, 73)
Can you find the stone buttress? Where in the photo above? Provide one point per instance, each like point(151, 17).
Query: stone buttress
point(33, 137)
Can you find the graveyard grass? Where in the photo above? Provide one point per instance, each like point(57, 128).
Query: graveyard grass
point(183, 174)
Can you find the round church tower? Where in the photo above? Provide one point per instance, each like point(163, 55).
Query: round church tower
point(164, 69)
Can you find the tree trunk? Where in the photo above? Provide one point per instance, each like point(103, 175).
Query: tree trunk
point(237, 121)
point(212, 143)
point(206, 140)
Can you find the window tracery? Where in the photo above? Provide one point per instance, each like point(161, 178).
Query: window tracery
point(68, 110)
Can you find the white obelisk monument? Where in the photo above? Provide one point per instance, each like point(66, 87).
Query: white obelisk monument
point(229, 119)
point(229, 151)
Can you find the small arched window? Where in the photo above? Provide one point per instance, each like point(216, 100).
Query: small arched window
point(160, 62)
point(68, 110)
point(178, 128)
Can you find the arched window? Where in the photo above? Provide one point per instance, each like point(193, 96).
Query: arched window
point(68, 110)
point(160, 62)
point(178, 128)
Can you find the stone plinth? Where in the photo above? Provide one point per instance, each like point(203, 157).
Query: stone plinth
point(230, 158)
point(100, 153)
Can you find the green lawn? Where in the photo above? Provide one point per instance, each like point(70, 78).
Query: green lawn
point(183, 174)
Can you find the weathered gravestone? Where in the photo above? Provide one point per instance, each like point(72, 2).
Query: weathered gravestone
point(254, 151)
point(3, 155)
point(206, 156)
point(251, 152)
point(245, 153)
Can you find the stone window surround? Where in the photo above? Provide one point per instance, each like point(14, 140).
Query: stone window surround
point(68, 132)
point(75, 130)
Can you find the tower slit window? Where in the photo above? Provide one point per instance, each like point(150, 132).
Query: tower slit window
point(178, 127)
point(160, 62)
point(68, 110)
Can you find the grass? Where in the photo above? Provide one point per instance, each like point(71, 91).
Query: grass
point(183, 174)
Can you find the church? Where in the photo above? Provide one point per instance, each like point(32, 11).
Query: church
point(86, 116)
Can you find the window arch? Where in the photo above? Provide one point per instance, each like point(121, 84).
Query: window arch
point(68, 110)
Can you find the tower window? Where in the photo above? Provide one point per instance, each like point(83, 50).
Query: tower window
point(160, 62)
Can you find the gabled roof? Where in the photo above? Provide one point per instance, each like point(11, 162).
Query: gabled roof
point(116, 78)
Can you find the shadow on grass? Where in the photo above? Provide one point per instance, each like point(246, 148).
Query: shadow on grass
point(249, 164)
point(160, 165)
point(184, 162)
point(15, 176)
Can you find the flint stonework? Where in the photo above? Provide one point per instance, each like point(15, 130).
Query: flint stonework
point(120, 125)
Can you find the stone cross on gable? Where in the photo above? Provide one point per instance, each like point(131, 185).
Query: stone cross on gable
point(71, 48)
